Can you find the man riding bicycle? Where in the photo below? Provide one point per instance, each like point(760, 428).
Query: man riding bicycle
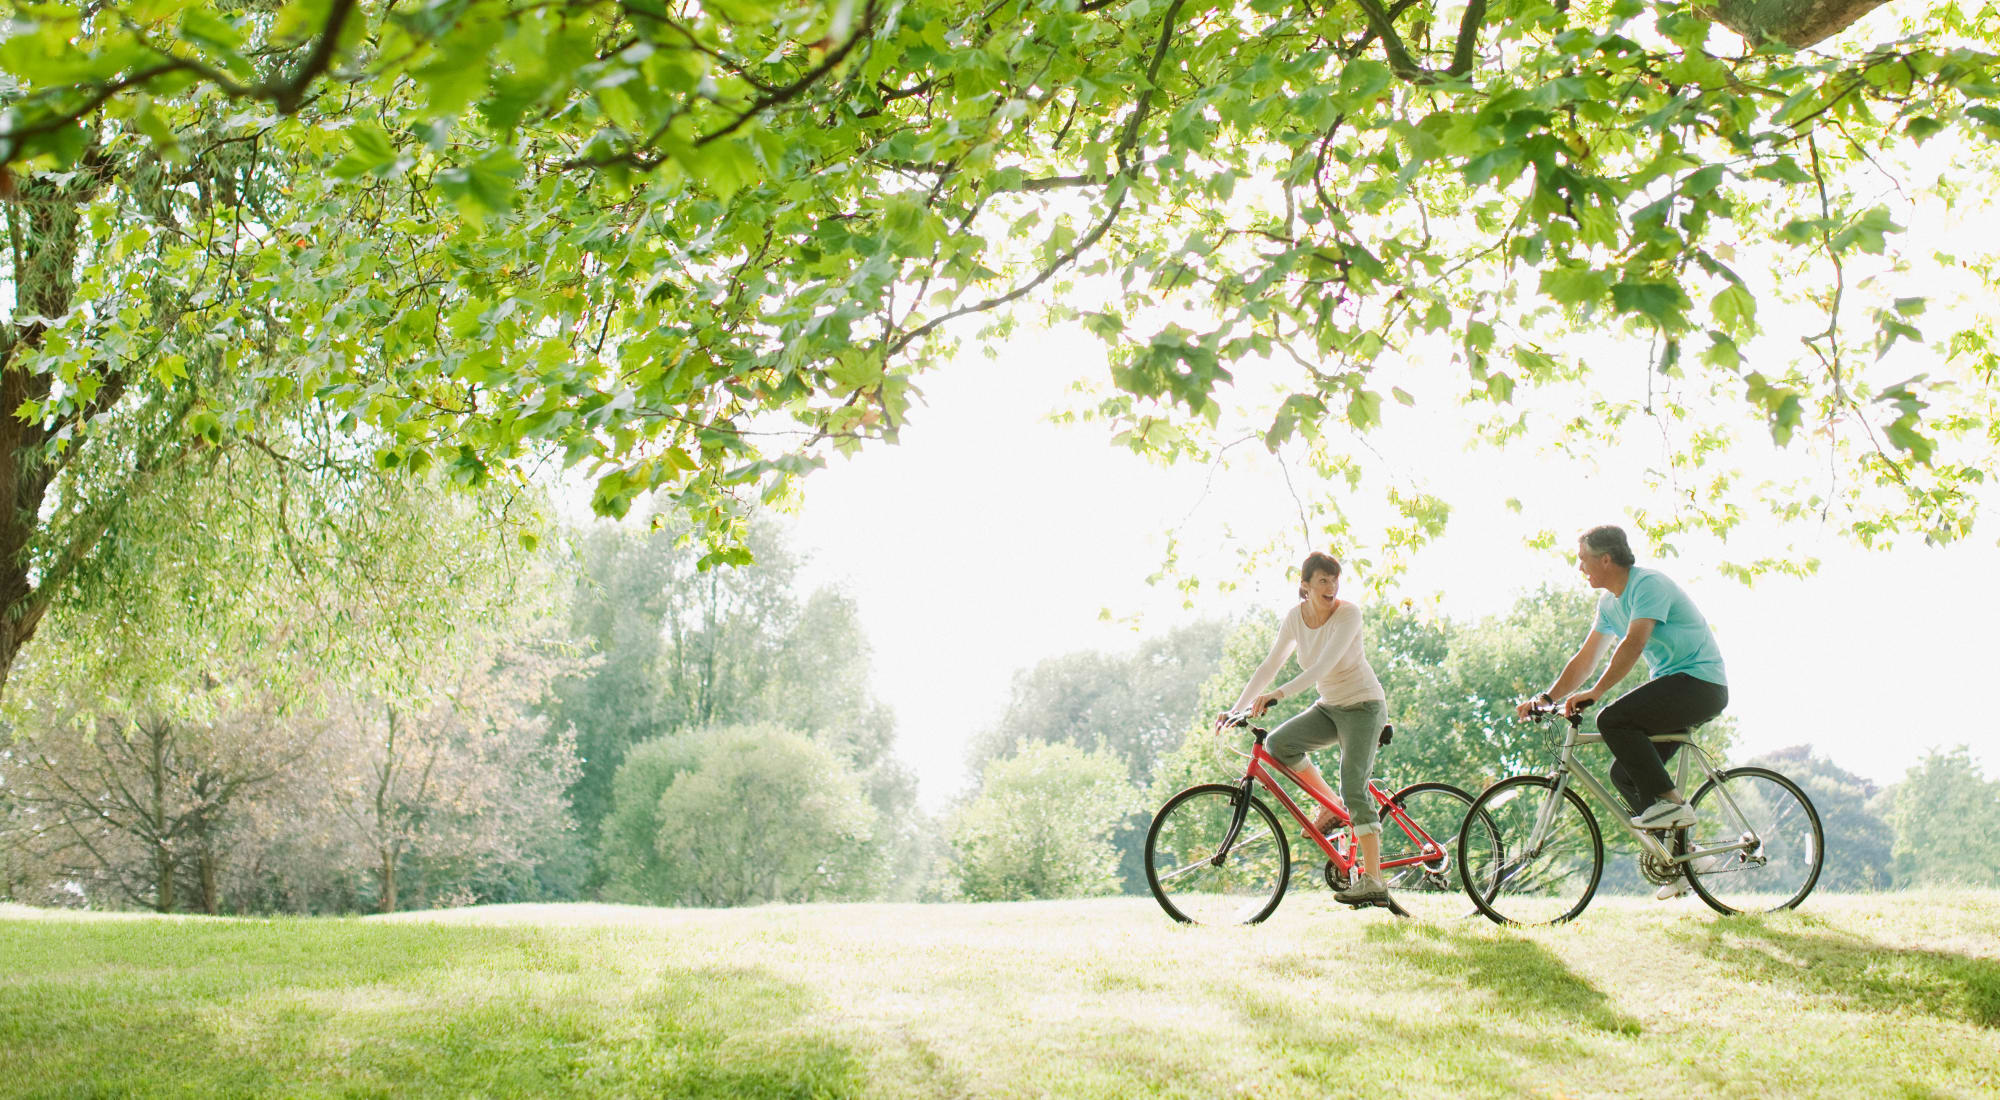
point(1647, 614)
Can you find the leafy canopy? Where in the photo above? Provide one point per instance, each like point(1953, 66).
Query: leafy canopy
point(698, 246)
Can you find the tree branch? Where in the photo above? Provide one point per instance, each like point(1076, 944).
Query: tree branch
point(1400, 61)
point(1468, 38)
point(288, 94)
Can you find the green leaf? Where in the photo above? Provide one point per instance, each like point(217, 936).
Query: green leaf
point(1866, 232)
point(204, 26)
point(458, 72)
point(370, 152)
point(1786, 418)
point(1574, 286)
point(483, 187)
point(1904, 436)
point(1781, 170)
point(1921, 128)
point(1364, 409)
point(856, 368)
point(1735, 311)
point(1663, 302)
point(1363, 78)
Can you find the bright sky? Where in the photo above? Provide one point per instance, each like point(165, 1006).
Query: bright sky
point(989, 539)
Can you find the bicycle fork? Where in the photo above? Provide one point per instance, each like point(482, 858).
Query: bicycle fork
point(1235, 823)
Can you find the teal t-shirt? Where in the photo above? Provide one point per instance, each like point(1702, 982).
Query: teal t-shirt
point(1681, 641)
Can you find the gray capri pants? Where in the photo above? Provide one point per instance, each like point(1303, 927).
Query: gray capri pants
point(1357, 729)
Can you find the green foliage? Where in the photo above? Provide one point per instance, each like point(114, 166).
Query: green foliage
point(681, 648)
point(752, 814)
point(241, 566)
point(1133, 705)
point(1946, 815)
point(654, 245)
point(1041, 825)
point(248, 715)
point(629, 847)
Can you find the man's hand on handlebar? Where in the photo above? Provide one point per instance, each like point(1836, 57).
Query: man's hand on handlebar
point(1541, 706)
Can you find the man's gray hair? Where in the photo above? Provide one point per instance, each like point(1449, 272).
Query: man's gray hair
point(1609, 540)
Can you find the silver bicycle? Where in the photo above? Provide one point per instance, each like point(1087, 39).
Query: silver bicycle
point(1531, 851)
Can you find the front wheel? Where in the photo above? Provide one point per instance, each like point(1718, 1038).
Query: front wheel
point(1420, 833)
point(1187, 879)
point(1527, 856)
point(1764, 842)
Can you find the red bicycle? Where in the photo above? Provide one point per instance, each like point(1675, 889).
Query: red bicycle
point(1217, 855)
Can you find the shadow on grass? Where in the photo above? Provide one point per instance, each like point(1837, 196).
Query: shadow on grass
point(1522, 976)
point(352, 1009)
point(1307, 1052)
point(1478, 1052)
point(1798, 951)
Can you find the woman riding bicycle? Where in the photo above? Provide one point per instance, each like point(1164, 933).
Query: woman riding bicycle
point(1326, 632)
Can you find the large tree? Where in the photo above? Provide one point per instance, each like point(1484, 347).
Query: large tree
point(1135, 705)
point(1946, 816)
point(695, 246)
point(677, 647)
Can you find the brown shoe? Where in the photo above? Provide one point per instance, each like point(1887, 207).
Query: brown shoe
point(1364, 890)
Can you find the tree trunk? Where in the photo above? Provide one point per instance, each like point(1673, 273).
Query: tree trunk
point(387, 902)
point(163, 878)
point(163, 858)
point(211, 879)
point(1795, 23)
point(45, 236)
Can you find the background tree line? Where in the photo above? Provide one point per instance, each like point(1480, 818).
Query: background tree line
point(401, 705)
point(411, 714)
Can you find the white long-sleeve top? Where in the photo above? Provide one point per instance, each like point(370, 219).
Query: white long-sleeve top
point(1329, 656)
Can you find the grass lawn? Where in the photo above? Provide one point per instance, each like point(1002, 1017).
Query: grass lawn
point(1897, 995)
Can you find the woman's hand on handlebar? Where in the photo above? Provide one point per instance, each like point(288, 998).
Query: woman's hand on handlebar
point(1254, 710)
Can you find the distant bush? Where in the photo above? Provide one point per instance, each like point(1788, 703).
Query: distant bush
point(1041, 825)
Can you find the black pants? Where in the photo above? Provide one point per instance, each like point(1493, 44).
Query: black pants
point(1670, 704)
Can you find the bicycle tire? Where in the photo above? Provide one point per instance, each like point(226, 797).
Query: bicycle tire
point(1497, 829)
point(1422, 886)
point(1196, 817)
point(1785, 847)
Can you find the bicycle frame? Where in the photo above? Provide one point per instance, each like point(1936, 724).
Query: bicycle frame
point(1568, 768)
point(1428, 849)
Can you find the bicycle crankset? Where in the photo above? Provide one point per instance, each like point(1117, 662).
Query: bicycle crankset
point(1658, 871)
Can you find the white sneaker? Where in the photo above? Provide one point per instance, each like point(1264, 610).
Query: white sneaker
point(1671, 890)
point(1663, 814)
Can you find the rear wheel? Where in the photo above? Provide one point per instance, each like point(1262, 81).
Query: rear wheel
point(1420, 861)
point(1188, 881)
point(1772, 834)
point(1528, 857)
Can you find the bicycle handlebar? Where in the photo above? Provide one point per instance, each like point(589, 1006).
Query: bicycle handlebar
point(1538, 710)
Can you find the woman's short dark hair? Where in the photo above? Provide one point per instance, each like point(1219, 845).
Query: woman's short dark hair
point(1316, 563)
point(1609, 540)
